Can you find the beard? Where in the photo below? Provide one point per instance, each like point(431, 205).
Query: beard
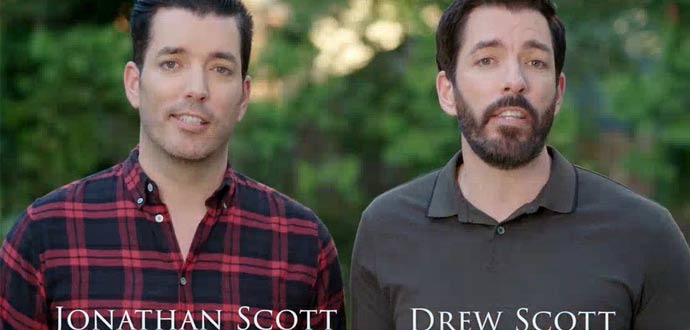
point(516, 146)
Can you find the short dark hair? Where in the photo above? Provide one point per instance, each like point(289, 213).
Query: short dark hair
point(144, 10)
point(451, 26)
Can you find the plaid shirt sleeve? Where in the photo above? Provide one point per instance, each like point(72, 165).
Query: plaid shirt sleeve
point(22, 294)
point(329, 285)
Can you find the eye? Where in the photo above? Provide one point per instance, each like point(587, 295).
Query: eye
point(538, 64)
point(169, 65)
point(485, 61)
point(222, 70)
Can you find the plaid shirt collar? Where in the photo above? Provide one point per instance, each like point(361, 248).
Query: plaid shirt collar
point(142, 190)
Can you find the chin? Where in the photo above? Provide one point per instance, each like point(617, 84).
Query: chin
point(185, 147)
point(189, 152)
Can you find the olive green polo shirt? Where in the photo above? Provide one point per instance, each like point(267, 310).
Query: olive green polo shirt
point(586, 253)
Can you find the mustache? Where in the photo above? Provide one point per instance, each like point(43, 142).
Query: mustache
point(509, 101)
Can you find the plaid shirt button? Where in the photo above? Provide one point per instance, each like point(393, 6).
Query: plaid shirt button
point(183, 280)
point(159, 218)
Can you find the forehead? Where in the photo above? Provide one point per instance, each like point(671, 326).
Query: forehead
point(181, 28)
point(512, 27)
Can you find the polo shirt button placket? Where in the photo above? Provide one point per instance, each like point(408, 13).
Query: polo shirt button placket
point(500, 230)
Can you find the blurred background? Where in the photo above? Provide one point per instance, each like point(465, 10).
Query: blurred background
point(343, 99)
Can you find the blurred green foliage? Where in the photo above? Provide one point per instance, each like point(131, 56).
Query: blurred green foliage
point(336, 142)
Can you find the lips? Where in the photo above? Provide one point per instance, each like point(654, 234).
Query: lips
point(511, 113)
point(190, 118)
point(190, 122)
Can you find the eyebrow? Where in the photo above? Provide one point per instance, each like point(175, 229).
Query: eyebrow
point(179, 50)
point(485, 44)
point(494, 43)
point(224, 56)
point(171, 51)
point(537, 45)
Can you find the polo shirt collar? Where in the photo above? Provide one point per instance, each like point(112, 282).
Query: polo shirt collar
point(446, 193)
point(558, 194)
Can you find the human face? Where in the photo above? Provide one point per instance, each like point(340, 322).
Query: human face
point(190, 92)
point(504, 95)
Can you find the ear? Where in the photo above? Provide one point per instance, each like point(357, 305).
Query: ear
point(246, 91)
point(131, 81)
point(446, 94)
point(560, 91)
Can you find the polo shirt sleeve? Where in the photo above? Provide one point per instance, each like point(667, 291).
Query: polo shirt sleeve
point(665, 299)
point(329, 286)
point(370, 307)
point(22, 294)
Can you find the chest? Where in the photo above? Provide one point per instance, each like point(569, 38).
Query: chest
point(133, 264)
point(185, 222)
point(474, 276)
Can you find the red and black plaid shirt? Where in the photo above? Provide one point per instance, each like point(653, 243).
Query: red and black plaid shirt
point(106, 243)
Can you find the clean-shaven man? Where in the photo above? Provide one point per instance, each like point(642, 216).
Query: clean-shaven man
point(509, 234)
point(173, 237)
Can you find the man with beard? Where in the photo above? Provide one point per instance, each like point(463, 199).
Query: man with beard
point(509, 234)
point(173, 237)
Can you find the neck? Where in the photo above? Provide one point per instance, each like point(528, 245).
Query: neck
point(180, 179)
point(497, 192)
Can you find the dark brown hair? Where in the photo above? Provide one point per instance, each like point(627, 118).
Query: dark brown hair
point(144, 10)
point(451, 26)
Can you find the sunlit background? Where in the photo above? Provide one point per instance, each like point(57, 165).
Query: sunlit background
point(344, 105)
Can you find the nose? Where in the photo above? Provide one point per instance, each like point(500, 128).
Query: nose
point(515, 81)
point(197, 86)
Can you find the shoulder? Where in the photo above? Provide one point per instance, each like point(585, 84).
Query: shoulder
point(259, 198)
point(95, 188)
point(604, 196)
point(55, 207)
point(409, 200)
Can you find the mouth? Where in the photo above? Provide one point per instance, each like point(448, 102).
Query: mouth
point(190, 122)
point(191, 119)
point(511, 113)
